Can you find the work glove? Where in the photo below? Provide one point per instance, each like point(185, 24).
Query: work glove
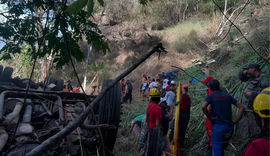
point(176, 103)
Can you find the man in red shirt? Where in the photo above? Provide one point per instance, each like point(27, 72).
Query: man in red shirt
point(154, 119)
point(122, 88)
point(172, 84)
point(154, 112)
point(184, 116)
point(77, 90)
point(208, 124)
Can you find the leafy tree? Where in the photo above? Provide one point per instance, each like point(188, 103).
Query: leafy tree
point(49, 28)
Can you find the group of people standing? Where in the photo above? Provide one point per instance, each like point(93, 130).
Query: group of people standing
point(152, 128)
point(253, 116)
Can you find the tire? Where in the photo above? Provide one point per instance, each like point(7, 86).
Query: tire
point(59, 85)
point(6, 76)
point(51, 80)
point(1, 70)
point(24, 82)
point(109, 113)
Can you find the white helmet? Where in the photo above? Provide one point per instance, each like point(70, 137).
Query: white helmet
point(173, 82)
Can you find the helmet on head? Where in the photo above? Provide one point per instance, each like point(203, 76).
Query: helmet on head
point(266, 89)
point(261, 103)
point(154, 92)
point(173, 82)
point(171, 88)
point(185, 86)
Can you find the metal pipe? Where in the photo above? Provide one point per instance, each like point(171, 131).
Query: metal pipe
point(46, 108)
point(16, 111)
point(101, 126)
point(2, 101)
point(60, 108)
point(3, 137)
point(21, 94)
point(67, 95)
point(86, 125)
point(27, 114)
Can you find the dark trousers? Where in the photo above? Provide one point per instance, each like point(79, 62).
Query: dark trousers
point(128, 96)
point(184, 119)
point(154, 142)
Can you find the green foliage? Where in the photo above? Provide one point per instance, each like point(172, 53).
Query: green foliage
point(44, 23)
point(98, 69)
point(221, 3)
point(77, 6)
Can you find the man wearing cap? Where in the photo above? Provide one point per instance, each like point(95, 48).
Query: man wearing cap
point(171, 84)
point(165, 122)
point(184, 116)
point(255, 83)
point(221, 116)
point(208, 124)
point(169, 97)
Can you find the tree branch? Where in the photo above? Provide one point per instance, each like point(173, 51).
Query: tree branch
point(187, 73)
point(232, 24)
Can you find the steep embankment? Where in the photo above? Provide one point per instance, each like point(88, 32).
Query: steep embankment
point(183, 42)
point(230, 55)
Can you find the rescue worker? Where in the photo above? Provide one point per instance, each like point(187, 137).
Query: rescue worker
point(77, 90)
point(221, 116)
point(171, 84)
point(153, 84)
point(142, 140)
point(143, 85)
point(207, 123)
point(154, 119)
point(165, 122)
point(169, 97)
point(261, 105)
point(184, 116)
point(255, 83)
point(122, 88)
point(171, 75)
point(128, 92)
point(136, 125)
point(164, 85)
point(67, 87)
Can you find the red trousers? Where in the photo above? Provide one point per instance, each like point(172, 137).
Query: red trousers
point(209, 130)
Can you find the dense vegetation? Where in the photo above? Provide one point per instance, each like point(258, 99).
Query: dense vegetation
point(189, 29)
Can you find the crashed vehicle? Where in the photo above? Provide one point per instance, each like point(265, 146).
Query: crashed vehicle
point(26, 120)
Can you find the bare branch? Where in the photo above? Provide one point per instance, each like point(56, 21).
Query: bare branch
point(232, 24)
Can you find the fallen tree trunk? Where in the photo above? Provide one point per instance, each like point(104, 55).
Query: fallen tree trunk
point(56, 139)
